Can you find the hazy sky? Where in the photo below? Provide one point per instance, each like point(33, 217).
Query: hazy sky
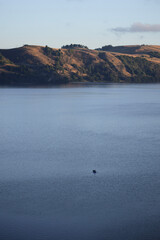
point(94, 23)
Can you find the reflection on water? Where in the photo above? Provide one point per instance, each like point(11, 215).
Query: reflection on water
point(50, 141)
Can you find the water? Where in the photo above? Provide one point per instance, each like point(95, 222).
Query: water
point(52, 139)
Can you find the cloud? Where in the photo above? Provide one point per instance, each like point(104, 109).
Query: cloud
point(138, 27)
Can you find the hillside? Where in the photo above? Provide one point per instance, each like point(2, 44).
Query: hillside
point(37, 65)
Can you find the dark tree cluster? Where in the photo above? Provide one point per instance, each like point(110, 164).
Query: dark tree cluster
point(105, 48)
point(51, 52)
point(141, 69)
point(72, 46)
point(154, 54)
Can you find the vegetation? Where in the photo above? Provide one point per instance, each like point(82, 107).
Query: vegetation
point(154, 54)
point(141, 69)
point(34, 65)
point(120, 49)
point(102, 72)
point(106, 48)
point(72, 46)
point(50, 52)
point(3, 60)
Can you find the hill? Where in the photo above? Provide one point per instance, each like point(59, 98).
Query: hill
point(37, 65)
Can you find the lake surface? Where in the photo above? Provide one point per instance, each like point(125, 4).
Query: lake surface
point(50, 141)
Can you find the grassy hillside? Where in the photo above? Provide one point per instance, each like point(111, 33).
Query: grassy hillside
point(36, 65)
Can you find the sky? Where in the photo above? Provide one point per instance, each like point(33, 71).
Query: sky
point(93, 23)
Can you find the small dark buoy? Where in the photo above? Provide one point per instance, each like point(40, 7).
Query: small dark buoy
point(94, 171)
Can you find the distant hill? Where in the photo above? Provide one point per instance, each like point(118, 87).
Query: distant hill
point(36, 65)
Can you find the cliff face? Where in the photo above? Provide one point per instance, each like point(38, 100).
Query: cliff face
point(36, 65)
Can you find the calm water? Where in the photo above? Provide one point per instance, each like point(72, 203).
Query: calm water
point(52, 139)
